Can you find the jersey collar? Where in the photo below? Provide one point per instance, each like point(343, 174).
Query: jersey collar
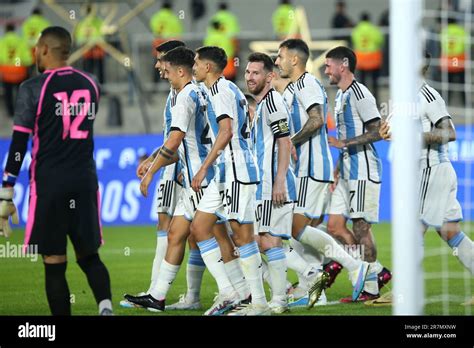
point(57, 69)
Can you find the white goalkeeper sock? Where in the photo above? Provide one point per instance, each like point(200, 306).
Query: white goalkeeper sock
point(463, 248)
point(194, 273)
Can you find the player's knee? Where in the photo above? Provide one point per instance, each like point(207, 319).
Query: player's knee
point(88, 262)
point(267, 241)
point(54, 259)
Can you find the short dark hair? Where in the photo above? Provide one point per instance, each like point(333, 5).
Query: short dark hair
point(215, 54)
point(169, 45)
point(298, 45)
point(63, 37)
point(167, 4)
point(261, 58)
point(341, 53)
point(180, 56)
point(274, 58)
point(10, 27)
point(36, 11)
point(427, 61)
point(223, 5)
point(365, 16)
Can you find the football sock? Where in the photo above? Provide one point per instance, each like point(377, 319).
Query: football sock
point(160, 252)
point(57, 290)
point(211, 254)
point(252, 269)
point(165, 278)
point(236, 277)
point(277, 267)
point(97, 276)
point(463, 248)
point(194, 273)
point(327, 245)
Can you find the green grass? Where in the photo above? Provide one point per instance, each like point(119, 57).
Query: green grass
point(128, 254)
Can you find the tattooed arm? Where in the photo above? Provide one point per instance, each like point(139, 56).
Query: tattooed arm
point(443, 133)
point(315, 122)
point(371, 135)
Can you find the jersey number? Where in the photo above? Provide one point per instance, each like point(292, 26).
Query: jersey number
point(244, 131)
point(204, 138)
point(82, 110)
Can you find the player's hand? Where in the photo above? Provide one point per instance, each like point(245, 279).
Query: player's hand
point(7, 209)
point(143, 167)
point(384, 131)
point(198, 179)
point(279, 192)
point(180, 178)
point(334, 142)
point(293, 153)
point(145, 183)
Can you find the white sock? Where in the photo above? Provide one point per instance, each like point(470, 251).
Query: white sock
point(463, 248)
point(251, 262)
point(165, 278)
point(237, 279)
point(105, 304)
point(310, 256)
point(376, 267)
point(277, 267)
point(194, 273)
point(265, 272)
point(160, 252)
point(211, 254)
point(325, 244)
point(296, 262)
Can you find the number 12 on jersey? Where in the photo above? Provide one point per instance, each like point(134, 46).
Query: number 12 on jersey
point(80, 110)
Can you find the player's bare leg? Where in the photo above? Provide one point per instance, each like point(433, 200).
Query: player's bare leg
point(57, 289)
point(98, 279)
point(338, 229)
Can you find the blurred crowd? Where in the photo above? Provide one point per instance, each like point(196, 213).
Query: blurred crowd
point(368, 38)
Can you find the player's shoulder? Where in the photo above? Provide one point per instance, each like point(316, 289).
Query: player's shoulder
point(306, 80)
point(33, 83)
point(360, 91)
point(429, 94)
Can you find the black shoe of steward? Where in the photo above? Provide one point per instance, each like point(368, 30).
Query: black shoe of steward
point(147, 301)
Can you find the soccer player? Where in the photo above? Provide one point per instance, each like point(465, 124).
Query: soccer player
point(313, 166)
point(276, 191)
point(169, 193)
point(189, 138)
point(232, 192)
point(58, 108)
point(359, 170)
point(439, 207)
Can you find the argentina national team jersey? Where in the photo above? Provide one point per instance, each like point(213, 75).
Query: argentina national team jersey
point(227, 100)
point(188, 115)
point(355, 107)
point(314, 157)
point(432, 111)
point(288, 94)
point(172, 171)
point(271, 124)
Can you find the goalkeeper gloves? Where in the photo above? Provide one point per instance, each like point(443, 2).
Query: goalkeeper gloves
point(7, 209)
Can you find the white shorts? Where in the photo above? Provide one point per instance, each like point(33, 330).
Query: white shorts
point(191, 201)
point(438, 203)
point(356, 199)
point(230, 201)
point(313, 197)
point(274, 220)
point(169, 192)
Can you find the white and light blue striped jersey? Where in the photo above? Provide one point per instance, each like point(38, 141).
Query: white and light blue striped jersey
point(355, 107)
point(188, 115)
point(314, 156)
point(172, 171)
point(272, 116)
point(227, 100)
point(432, 110)
point(288, 94)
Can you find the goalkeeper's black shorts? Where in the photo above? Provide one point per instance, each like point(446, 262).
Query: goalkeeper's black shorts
point(53, 217)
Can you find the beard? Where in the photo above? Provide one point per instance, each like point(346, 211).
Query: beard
point(256, 89)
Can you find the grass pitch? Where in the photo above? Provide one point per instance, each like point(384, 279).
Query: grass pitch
point(129, 252)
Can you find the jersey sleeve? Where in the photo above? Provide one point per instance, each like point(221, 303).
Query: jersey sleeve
point(223, 102)
point(367, 107)
point(277, 116)
point(182, 112)
point(436, 110)
point(25, 109)
point(309, 93)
